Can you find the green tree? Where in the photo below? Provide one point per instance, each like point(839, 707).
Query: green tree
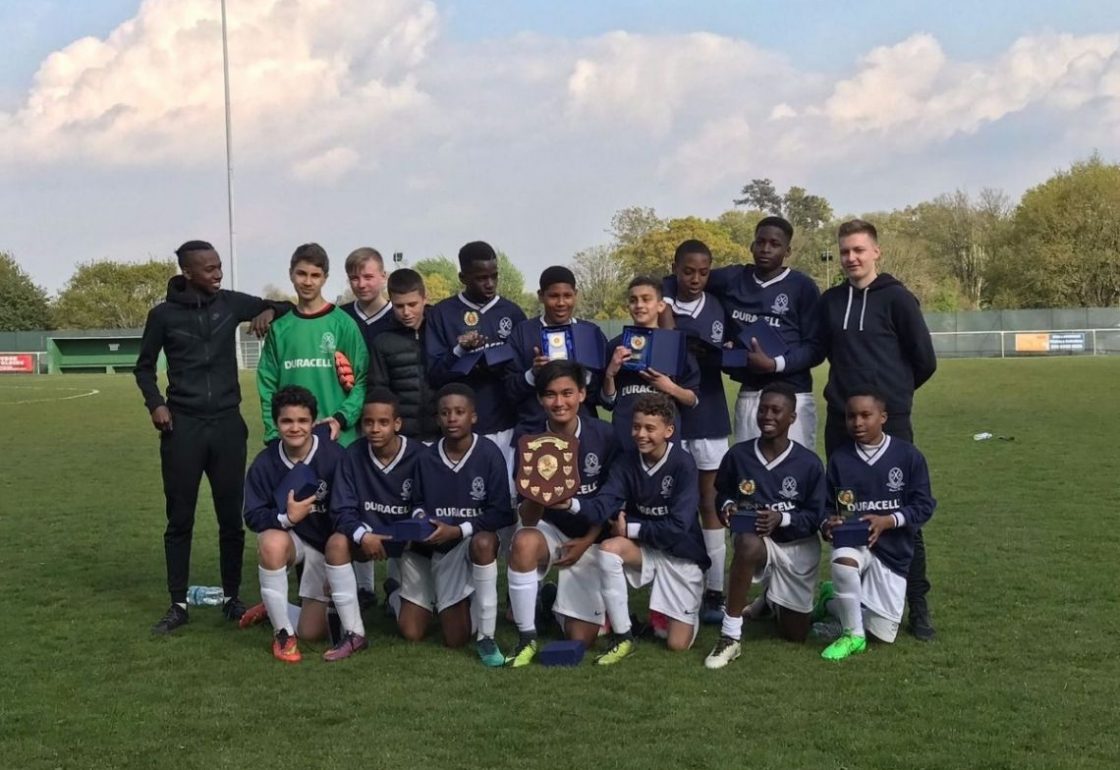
point(511, 285)
point(1065, 242)
point(805, 211)
point(113, 295)
point(652, 254)
point(760, 195)
point(23, 305)
point(634, 223)
point(602, 284)
point(740, 225)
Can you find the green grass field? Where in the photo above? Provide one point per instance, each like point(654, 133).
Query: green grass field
point(1025, 672)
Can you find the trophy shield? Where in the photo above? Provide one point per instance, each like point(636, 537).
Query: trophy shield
point(547, 468)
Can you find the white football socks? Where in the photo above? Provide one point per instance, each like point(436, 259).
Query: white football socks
point(732, 627)
point(344, 593)
point(485, 577)
point(845, 579)
point(523, 600)
point(615, 595)
point(274, 594)
point(715, 543)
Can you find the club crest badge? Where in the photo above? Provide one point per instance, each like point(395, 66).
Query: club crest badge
point(746, 487)
point(478, 489)
point(327, 344)
point(321, 490)
point(717, 332)
point(895, 482)
point(505, 326)
point(789, 488)
point(547, 473)
point(781, 304)
point(667, 486)
point(406, 489)
point(470, 318)
point(591, 465)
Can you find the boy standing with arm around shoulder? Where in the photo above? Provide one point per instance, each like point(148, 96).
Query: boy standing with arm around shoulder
point(314, 347)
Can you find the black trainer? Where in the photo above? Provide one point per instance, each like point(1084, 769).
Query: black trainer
point(711, 608)
point(175, 616)
point(920, 626)
point(366, 598)
point(233, 609)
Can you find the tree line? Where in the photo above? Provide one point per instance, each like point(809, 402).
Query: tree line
point(1058, 246)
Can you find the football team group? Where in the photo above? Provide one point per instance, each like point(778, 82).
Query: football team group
point(392, 432)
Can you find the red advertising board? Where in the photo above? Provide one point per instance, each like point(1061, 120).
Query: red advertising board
point(23, 363)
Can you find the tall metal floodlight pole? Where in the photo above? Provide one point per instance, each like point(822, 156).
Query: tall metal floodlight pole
point(229, 183)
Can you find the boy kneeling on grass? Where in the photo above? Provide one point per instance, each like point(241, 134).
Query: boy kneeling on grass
point(297, 533)
point(372, 488)
point(884, 481)
point(651, 497)
point(782, 483)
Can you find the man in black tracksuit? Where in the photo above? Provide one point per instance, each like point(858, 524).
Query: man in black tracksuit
point(872, 330)
point(397, 358)
point(200, 425)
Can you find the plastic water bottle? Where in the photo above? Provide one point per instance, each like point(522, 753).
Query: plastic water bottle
point(982, 436)
point(205, 596)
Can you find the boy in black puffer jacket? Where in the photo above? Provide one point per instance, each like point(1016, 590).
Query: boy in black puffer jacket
point(397, 358)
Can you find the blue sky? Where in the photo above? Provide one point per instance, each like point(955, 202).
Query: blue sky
point(528, 123)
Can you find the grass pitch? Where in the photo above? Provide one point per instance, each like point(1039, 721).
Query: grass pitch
point(1025, 672)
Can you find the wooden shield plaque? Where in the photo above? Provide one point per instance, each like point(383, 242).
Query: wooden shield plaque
point(547, 468)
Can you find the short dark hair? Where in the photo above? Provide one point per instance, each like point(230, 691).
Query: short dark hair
point(557, 274)
point(645, 280)
point(871, 393)
point(456, 389)
point(657, 405)
point(783, 389)
point(313, 254)
point(382, 395)
point(190, 247)
point(554, 370)
point(781, 223)
point(294, 395)
point(359, 257)
point(476, 251)
point(856, 226)
point(691, 246)
point(405, 281)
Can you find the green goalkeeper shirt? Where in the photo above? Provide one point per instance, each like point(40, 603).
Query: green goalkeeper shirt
point(299, 350)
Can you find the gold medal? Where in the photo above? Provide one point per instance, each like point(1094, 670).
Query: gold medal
point(470, 318)
point(746, 487)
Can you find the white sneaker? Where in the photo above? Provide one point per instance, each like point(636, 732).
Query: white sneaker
point(725, 651)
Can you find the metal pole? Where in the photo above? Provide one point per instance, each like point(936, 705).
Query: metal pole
point(229, 182)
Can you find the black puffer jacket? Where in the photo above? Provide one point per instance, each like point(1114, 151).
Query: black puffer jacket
point(196, 332)
point(397, 361)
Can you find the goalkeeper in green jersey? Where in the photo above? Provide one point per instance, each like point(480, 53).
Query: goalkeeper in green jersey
point(319, 347)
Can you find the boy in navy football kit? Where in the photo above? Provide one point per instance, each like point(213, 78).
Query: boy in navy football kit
point(786, 300)
point(462, 486)
point(649, 504)
point(372, 488)
point(298, 532)
point(623, 387)
point(562, 535)
point(782, 484)
point(882, 480)
point(365, 272)
point(872, 330)
point(471, 320)
point(557, 296)
point(704, 428)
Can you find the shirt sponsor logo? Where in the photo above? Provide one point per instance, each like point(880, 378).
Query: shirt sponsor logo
point(308, 363)
point(653, 510)
point(458, 513)
point(372, 506)
point(632, 390)
point(750, 318)
point(877, 505)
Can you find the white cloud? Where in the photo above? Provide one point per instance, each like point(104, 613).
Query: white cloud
point(327, 167)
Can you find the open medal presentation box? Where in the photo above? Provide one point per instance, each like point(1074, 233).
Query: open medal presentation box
point(493, 355)
point(769, 340)
point(574, 342)
point(300, 480)
point(663, 350)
